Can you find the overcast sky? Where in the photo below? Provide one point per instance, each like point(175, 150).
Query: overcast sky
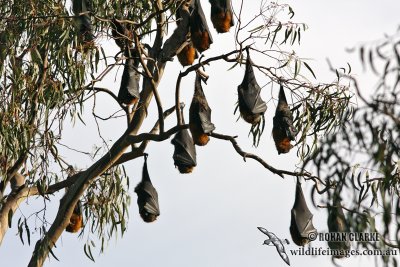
point(210, 217)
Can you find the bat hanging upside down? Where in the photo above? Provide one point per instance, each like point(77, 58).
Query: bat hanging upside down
point(221, 15)
point(76, 220)
point(185, 152)
point(129, 90)
point(200, 34)
point(147, 200)
point(251, 105)
point(200, 124)
point(301, 226)
point(283, 130)
point(337, 224)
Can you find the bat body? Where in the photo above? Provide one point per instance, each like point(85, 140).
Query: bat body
point(200, 34)
point(221, 15)
point(185, 152)
point(251, 106)
point(147, 197)
point(122, 36)
point(301, 219)
point(200, 124)
point(129, 90)
point(76, 220)
point(187, 55)
point(283, 130)
point(83, 22)
point(337, 224)
point(277, 243)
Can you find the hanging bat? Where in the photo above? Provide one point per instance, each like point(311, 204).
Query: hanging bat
point(277, 243)
point(221, 15)
point(187, 55)
point(76, 220)
point(200, 124)
point(283, 130)
point(147, 197)
point(301, 227)
point(185, 152)
point(122, 36)
point(129, 90)
point(251, 106)
point(337, 224)
point(200, 34)
point(83, 23)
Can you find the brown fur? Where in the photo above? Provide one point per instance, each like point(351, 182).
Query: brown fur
point(185, 169)
point(222, 21)
point(199, 137)
point(75, 223)
point(297, 239)
point(201, 40)
point(148, 217)
point(130, 101)
point(282, 142)
point(250, 117)
point(187, 56)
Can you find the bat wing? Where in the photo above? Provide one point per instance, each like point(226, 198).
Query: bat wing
point(249, 91)
point(283, 116)
point(301, 215)
point(185, 151)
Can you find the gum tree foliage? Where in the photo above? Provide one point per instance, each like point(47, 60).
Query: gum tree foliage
point(50, 70)
point(361, 160)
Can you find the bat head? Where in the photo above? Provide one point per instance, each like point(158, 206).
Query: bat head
point(76, 220)
point(187, 55)
point(147, 217)
point(282, 142)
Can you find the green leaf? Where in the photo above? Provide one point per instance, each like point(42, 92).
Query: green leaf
point(10, 215)
point(309, 69)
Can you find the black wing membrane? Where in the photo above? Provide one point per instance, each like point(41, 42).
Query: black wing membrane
point(83, 22)
point(129, 89)
point(185, 151)
point(251, 105)
point(147, 197)
point(200, 124)
point(200, 34)
point(283, 130)
point(337, 224)
point(301, 226)
point(221, 15)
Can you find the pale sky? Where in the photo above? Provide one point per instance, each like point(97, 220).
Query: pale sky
point(210, 217)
